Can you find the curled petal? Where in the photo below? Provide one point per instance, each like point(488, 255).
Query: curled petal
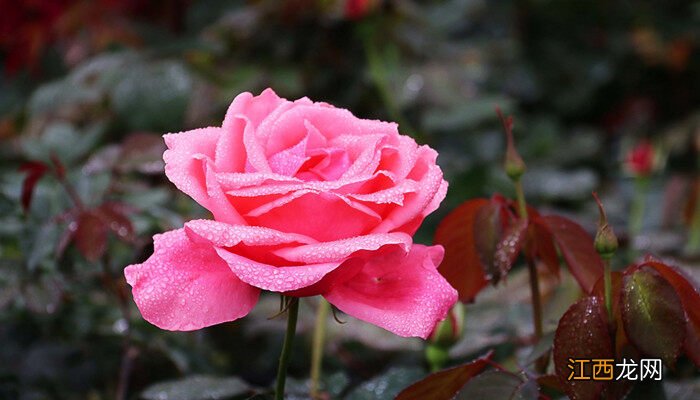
point(342, 249)
point(183, 160)
point(398, 291)
point(186, 286)
point(273, 278)
point(226, 235)
point(416, 205)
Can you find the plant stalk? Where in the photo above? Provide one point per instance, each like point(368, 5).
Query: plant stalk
point(317, 346)
point(607, 282)
point(693, 245)
point(636, 218)
point(532, 267)
point(293, 312)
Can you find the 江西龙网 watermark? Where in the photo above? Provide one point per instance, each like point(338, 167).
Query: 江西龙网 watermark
point(605, 369)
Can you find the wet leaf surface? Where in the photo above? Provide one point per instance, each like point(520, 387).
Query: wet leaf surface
point(445, 384)
point(576, 246)
point(197, 388)
point(582, 334)
point(499, 385)
point(461, 266)
point(653, 314)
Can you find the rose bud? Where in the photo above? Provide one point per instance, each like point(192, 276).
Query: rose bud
point(640, 159)
point(605, 240)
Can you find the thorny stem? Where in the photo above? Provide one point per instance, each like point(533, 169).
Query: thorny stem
point(317, 346)
point(293, 312)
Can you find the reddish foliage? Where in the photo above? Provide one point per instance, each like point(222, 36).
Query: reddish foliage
point(582, 334)
point(445, 384)
point(35, 170)
point(483, 239)
point(461, 265)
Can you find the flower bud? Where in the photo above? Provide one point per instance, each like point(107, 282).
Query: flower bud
point(514, 164)
point(641, 159)
point(449, 330)
point(605, 240)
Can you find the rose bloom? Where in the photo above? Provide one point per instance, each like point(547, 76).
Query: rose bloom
point(640, 160)
point(307, 200)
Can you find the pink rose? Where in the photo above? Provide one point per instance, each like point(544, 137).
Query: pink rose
point(307, 200)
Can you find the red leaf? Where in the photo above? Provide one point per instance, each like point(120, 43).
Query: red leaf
point(35, 170)
point(445, 384)
point(652, 314)
point(487, 232)
point(690, 297)
point(509, 247)
point(577, 248)
point(113, 216)
point(142, 152)
point(541, 244)
point(91, 235)
point(461, 266)
point(582, 334)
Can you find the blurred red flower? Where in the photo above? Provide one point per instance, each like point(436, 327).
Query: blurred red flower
point(640, 160)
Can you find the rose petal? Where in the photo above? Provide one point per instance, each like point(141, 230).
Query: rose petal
point(342, 249)
point(402, 293)
point(186, 286)
point(288, 161)
point(416, 204)
point(322, 216)
point(225, 235)
point(255, 108)
point(183, 160)
point(273, 278)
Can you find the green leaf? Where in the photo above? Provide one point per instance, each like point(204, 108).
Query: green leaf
point(197, 388)
point(652, 314)
point(153, 97)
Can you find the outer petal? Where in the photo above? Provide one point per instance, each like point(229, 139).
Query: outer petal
point(342, 249)
point(402, 293)
point(274, 278)
point(183, 160)
point(186, 286)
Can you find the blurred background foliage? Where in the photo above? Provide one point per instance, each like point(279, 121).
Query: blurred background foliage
point(88, 88)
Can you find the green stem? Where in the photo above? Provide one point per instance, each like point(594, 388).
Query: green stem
point(378, 72)
point(637, 209)
point(317, 346)
point(293, 312)
point(607, 281)
point(693, 245)
point(520, 195)
point(532, 267)
point(536, 299)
